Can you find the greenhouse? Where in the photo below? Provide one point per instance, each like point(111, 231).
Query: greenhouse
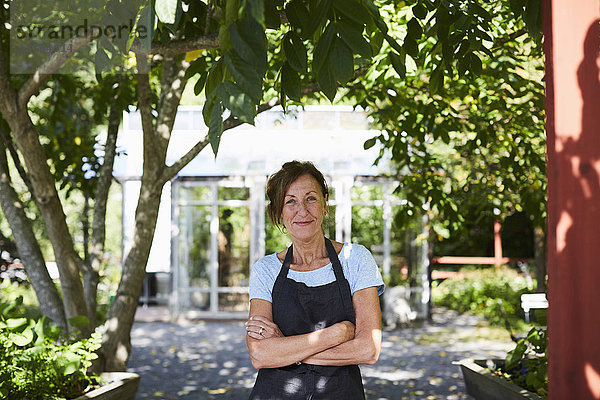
point(212, 224)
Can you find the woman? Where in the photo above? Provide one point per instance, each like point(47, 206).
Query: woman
point(314, 307)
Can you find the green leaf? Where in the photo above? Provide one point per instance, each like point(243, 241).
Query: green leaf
point(101, 61)
point(290, 82)
point(67, 362)
point(199, 85)
point(322, 48)
point(272, 17)
point(215, 77)
point(238, 102)
point(341, 61)
point(256, 10)
point(475, 64)
point(247, 78)
point(22, 339)
point(249, 43)
point(354, 39)
point(411, 47)
point(166, 10)
point(297, 14)
point(79, 321)
point(198, 66)
point(326, 81)
point(374, 11)
point(514, 356)
point(436, 80)
point(398, 63)
point(15, 323)
point(318, 16)
point(215, 128)
point(370, 143)
point(353, 10)
point(415, 31)
point(295, 52)
point(419, 11)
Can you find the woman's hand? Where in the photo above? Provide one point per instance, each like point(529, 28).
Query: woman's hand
point(259, 327)
point(346, 330)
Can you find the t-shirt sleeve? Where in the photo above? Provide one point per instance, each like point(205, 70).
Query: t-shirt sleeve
point(262, 280)
point(364, 271)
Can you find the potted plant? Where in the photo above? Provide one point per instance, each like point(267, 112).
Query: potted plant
point(521, 375)
point(38, 361)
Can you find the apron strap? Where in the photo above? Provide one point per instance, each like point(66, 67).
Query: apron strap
point(283, 272)
point(341, 281)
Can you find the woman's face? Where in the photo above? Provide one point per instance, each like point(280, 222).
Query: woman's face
point(303, 208)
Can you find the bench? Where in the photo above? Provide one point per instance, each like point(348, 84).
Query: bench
point(531, 301)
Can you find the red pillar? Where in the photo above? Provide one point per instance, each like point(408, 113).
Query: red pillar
point(497, 243)
point(572, 44)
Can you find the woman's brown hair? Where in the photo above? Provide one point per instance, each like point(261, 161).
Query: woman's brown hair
point(280, 181)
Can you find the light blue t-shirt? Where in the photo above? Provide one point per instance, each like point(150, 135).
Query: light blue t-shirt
point(357, 262)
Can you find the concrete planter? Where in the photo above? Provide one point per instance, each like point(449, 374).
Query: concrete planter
point(121, 386)
point(483, 384)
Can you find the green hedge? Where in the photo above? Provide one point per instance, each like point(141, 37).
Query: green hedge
point(484, 291)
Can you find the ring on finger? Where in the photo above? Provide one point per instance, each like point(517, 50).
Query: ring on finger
point(260, 331)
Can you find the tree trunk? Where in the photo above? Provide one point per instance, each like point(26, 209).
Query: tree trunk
point(91, 274)
point(116, 345)
point(47, 201)
point(29, 250)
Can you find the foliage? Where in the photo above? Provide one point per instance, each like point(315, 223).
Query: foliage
point(38, 362)
point(27, 307)
point(527, 364)
point(491, 292)
point(462, 118)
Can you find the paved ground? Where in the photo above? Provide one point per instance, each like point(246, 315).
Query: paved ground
point(209, 360)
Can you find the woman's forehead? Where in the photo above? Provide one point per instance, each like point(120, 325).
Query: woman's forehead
point(303, 185)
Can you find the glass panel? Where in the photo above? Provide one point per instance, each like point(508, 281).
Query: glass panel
point(194, 193)
point(275, 239)
point(400, 238)
point(199, 301)
point(234, 246)
point(366, 192)
point(367, 229)
point(234, 193)
point(329, 223)
point(234, 301)
point(194, 254)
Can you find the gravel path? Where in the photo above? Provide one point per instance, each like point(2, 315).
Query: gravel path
point(209, 360)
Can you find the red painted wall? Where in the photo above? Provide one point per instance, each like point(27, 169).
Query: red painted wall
point(573, 127)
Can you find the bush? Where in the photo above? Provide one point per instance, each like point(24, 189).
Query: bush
point(491, 292)
point(37, 361)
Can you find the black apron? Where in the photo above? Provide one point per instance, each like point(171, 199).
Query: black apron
point(300, 309)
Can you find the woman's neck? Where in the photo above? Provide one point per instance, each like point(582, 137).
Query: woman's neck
point(306, 253)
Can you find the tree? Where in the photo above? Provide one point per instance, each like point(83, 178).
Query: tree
point(247, 56)
point(462, 113)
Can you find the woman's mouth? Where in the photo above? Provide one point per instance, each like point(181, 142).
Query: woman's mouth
point(303, 223)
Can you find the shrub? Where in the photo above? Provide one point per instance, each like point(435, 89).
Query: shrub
point(491, 292)
point(37, 361)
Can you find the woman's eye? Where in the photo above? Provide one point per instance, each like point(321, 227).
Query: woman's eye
point(311, 199)
point(291, 201)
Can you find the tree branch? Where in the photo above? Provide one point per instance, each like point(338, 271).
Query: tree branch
point(16, 160)
point(180, 46)
point(56, 60)
point(230, 123)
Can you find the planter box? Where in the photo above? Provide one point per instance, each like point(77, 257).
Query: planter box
point(121, 386)
point(483, 384)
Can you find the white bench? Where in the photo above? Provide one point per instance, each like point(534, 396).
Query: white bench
point(530, 301)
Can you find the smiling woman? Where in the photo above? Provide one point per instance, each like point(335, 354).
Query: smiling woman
point(314, 307)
